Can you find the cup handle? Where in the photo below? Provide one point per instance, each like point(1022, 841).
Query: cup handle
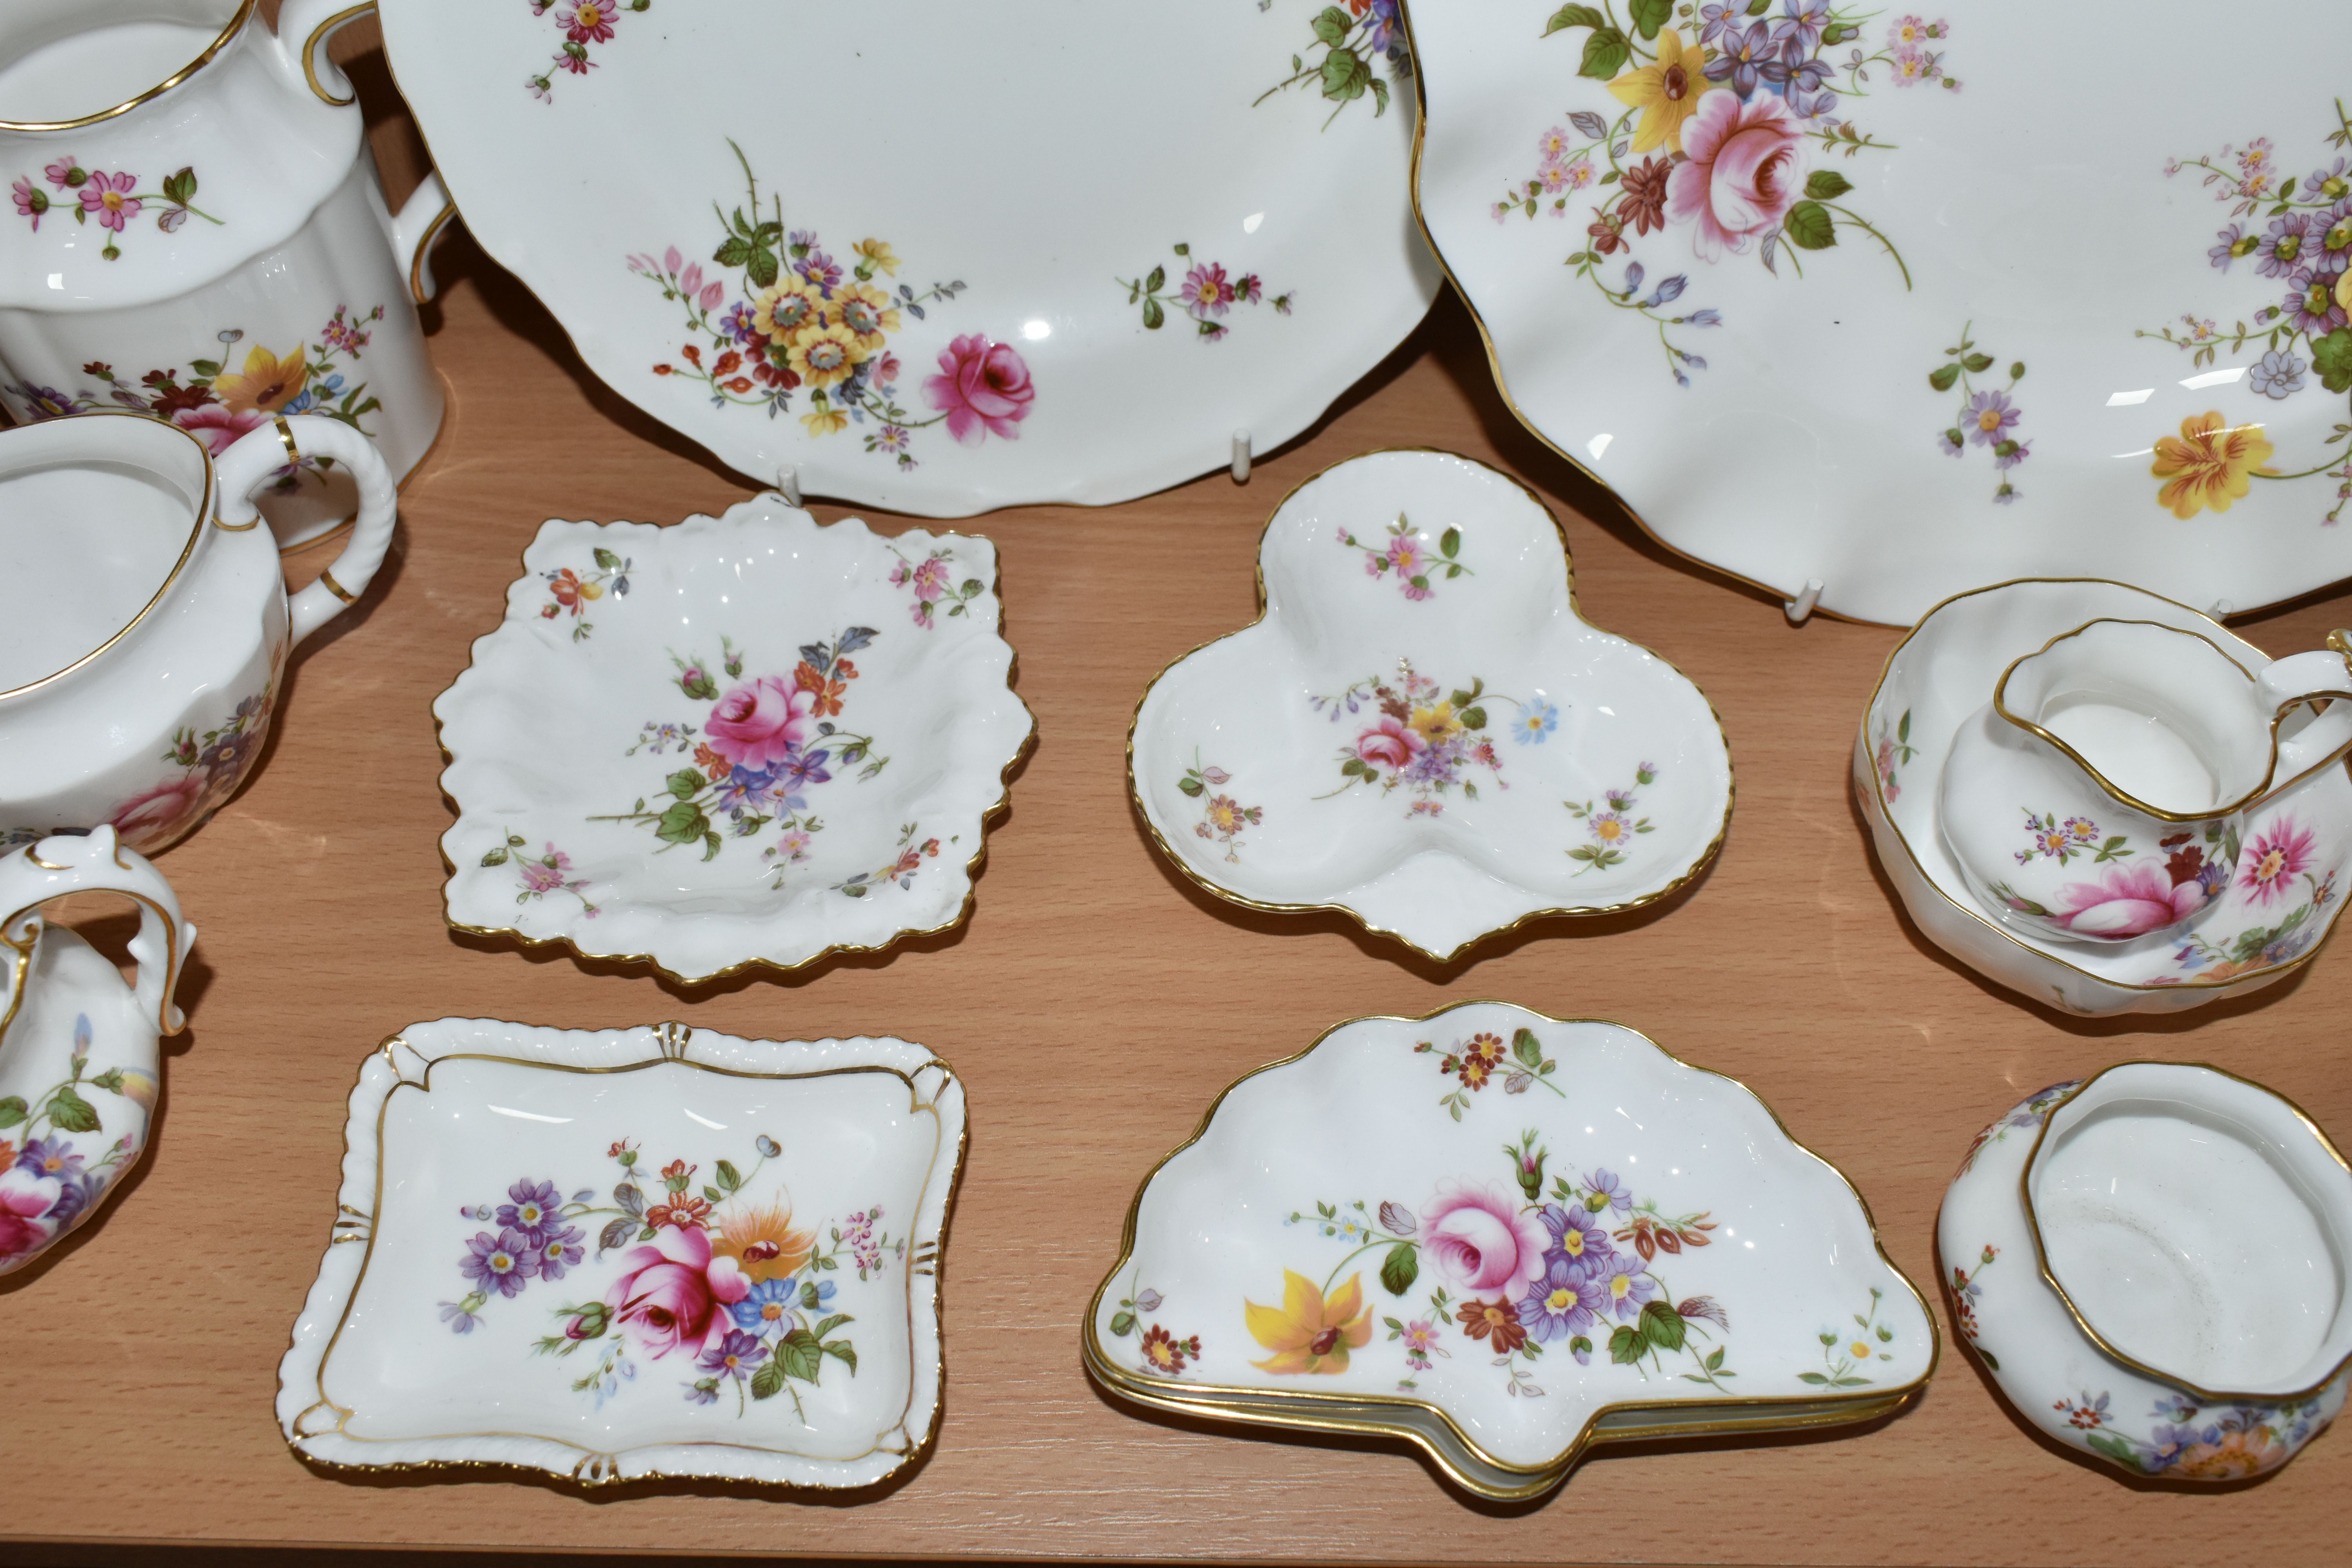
point(259, 454)
point(2324, 674)
point(422, 222)
point(304, 27)
point(98, 863)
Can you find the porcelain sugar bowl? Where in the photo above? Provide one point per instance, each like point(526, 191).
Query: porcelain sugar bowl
point(79, 1067)
point(2151, 1263)
point(2135, 751)
point(143, 617)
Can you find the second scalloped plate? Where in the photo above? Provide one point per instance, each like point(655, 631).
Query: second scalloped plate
point(1341, 1248)
point(743, 740)
point(1422, 729)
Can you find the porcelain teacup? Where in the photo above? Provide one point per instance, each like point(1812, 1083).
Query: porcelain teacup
point(143, 617)
point(2102, 793)
point(79, 1069)
point(2152, 1264)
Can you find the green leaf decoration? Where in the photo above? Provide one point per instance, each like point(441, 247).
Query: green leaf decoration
point(1154, 316)
point(180, 188)
point(1808, 227)
point(1573, 17)
point(12, 1111)
point(711, 845)
point(769, 1381)
point(1815, 1378)
point(728, 1177)
point(110, 1080)
point(732, 252)
point(763, 268)
point(1400, 1269)
point(2331, 356)
point(1345, 77)
point(1122, 1323)
point(1191, 786)
point(841, 1351)
point(1474, 717)
point(1380, 98)
point(1524, 1047)
point(831, 1324)
point(1989, 1357)
point(801, 1355)
point(1449, 544)
point(71, 1113)
point(1605, 54)
point(1827, 185)
point(1979, 363)
point(685, 784)
point(1649, 16)
point(496, 857)
point(1627, 1345)
point(2017, 371)
point(1663, 1325)
point(607, 560)
point(683, 823)
point(1331, 25)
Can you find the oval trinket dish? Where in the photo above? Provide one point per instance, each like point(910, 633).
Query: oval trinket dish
point(2151, 1262)
point(1422, 729)
point(1340, 1247)
point(1757, 268)
point(2267, 915)
point(632, 1254)
point(741, 740)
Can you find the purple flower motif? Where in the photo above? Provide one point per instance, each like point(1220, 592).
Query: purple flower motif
point(2278, 374)
point(2330, 184)
point(1718, 22)
point(1748, 58)
point(460, 1321)
point(1613, 1193)
point(1577, 1238)
point(2334, 240)
point(1989, 418)
point(2235, 242)
point(704, 1392)
point(534, 1210)
point(746, 789)
point(504, 1262)
point(821, 270)
point(50, 1156)
point(2311, 303)
point(1799, 27)
point(2170, 1442)
point(1709, 317)
point(2009, 454)
point(2283, 250)
point(734, 1355)
point(1622, 1284)
point(559, 1250)
point(807, 768)
point(1562, 1303)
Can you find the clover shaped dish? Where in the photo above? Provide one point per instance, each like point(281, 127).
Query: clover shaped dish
point(1420, 728)
point(631, 1253)
point(1340, 1247)
point(743, 740)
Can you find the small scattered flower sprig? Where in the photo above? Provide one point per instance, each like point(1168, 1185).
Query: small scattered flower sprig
point(1476, 1061)
point(1163, 1355)
point(113, 200)
point(1613, 826)
point(901, 869)
point(576, 591)
point(1350, 41)
point(1987, 417)
point(1205, 295)
point(583, 23)
point(1845, 1355)
point(1221, 816)
point(1404, 552)
point(933, 585)
point(550, 871)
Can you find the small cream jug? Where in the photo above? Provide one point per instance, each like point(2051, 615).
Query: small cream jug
point(2102, 793)
point(191, 229)
point(143, 617)
point(80, 1071)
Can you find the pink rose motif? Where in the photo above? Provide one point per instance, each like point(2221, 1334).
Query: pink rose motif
point(1741, 177)
point(217, 427)
point(154, 819)
point(670, 1292)
point(2127, 902)
point(24, 1199)
point(1388, 744)
point(760, 722)
point(1484, 1241)
point(982, 388)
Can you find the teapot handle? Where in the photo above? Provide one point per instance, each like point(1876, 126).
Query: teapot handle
point(2322, 675)
point(96, 862)
point(258, 455)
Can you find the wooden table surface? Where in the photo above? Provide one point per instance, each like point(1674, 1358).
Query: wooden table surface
point(1094, 1005)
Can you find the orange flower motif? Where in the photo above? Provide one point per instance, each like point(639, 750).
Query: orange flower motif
point(2209, 463)
point(1306, 1333)
point(761, 1240)
point(1498, 1318)
point(2237, 1455)
point(684, 1210)
point(711, 763)
point(827, 691)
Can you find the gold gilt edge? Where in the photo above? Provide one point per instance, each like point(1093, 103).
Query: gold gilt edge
point(1698, 863)
point(2041, 1255)
point(220, 41)
point(1875, 812)
point(1216, 1400)
point(989, 816)
point(593, 1468)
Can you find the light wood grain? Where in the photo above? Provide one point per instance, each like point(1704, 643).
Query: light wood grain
point(1093, 1005)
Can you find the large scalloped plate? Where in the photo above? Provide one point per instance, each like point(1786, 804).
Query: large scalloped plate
point(1826, 426)
point(598, 807)
point(1594, 778)
point(1779, 1309)
point(1027, 172)
point(1944, 671)
point(798, 1142)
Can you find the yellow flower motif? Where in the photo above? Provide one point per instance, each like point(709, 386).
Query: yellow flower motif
point(785, 309)
point(1608, 829)
point(1225, 813)
point(1435, 724)
point(1666, 93)
point(865, 310)
point(824, 355)
point(268, 384)
point(1308, 1333)
point(2209, 463)
point(825, 420)
point(2344, 292)
point(877, 253)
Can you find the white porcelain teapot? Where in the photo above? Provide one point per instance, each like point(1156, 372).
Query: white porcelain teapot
point(143, 617)
point(2102, 793)
point(191, 229)
point(79, 1072)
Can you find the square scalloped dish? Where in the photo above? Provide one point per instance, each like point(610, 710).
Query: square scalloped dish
point(633, 1253)
point(743, 740)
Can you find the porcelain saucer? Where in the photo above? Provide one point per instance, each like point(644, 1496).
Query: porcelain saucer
point(1340, 1247)
point(743, 740)
point(1422, 729)
point(2257, 933)
point(631, 1253)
